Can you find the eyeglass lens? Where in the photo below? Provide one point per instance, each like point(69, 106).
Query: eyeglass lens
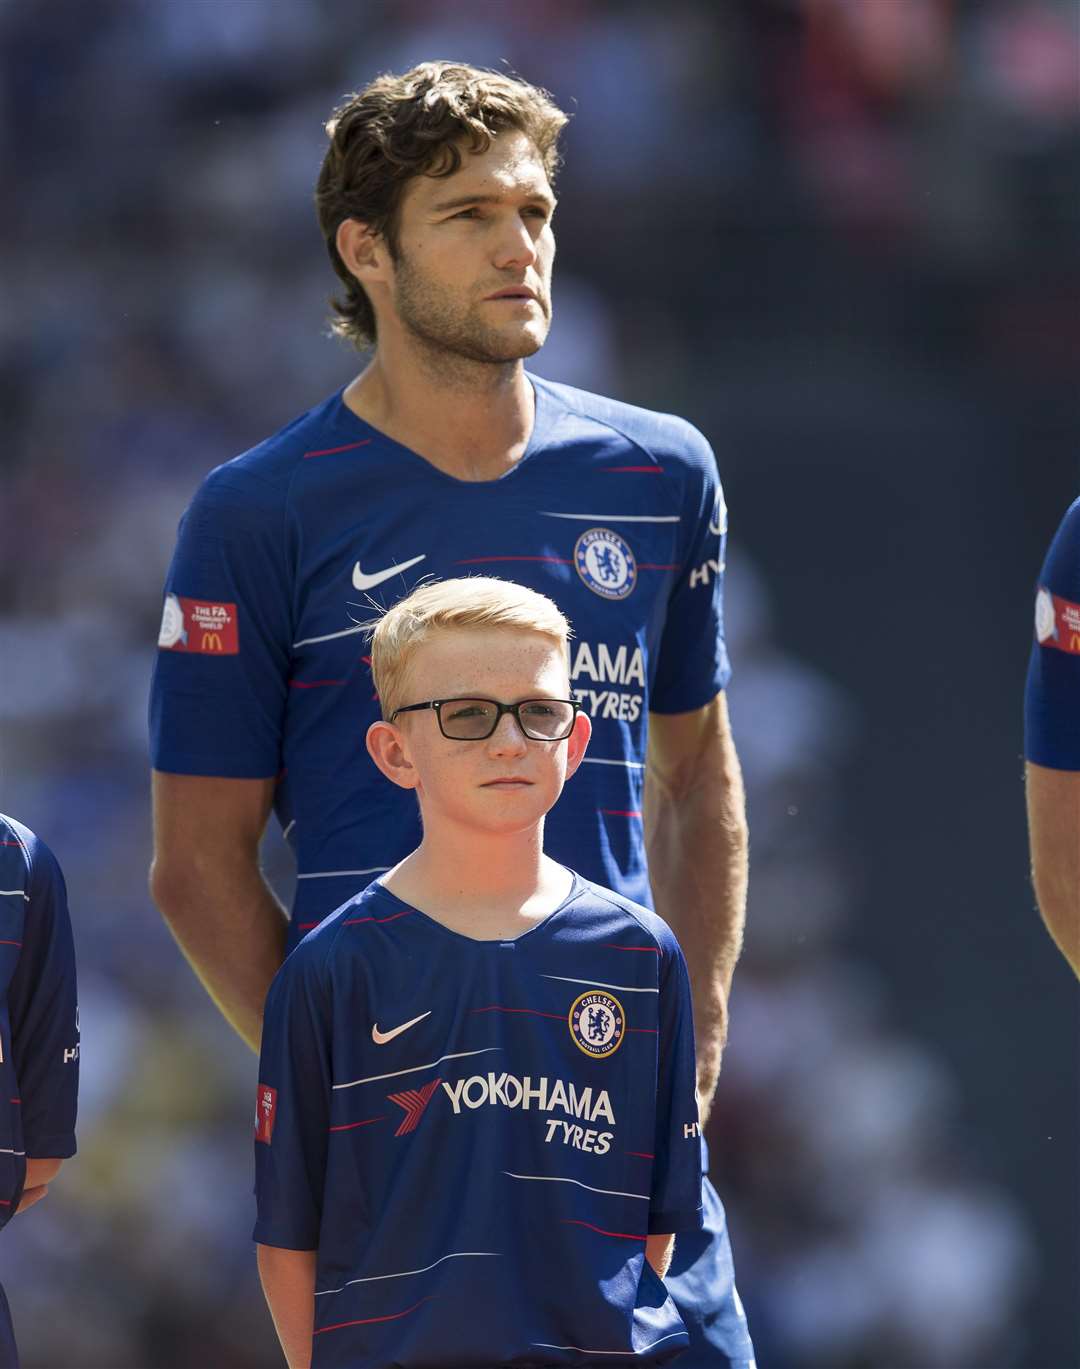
point(474, 719)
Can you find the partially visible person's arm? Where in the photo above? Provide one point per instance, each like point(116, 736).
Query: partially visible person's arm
point(206, 881)
point(1053, 805)
point(288, 1281)
point(698, 851)
point(39, 1175)
point(659, 1251)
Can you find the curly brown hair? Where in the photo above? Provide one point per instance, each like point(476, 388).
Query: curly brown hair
point(415, 124)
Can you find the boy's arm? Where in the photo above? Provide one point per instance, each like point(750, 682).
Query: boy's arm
point(659, 1251)
point(288, 1281)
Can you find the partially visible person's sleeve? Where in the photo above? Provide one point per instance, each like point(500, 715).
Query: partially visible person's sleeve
point(676, 1188)
point(693, 666)
point(220, 683)
point(292, 1105)
point(1052, 695)
point(44, 1014)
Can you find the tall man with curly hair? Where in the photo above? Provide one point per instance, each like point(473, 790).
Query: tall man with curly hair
point(444, 457)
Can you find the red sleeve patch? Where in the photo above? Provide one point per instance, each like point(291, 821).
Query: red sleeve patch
point(199, 626)
point(265, 1108)
point(1057, 622)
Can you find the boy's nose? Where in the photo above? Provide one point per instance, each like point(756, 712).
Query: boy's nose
point(508, 734)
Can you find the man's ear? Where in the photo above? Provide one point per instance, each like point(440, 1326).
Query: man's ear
point(577, 742)
point(386, 747)
point(363, 251)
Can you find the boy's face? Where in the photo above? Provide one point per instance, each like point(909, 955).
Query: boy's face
point(506, 783)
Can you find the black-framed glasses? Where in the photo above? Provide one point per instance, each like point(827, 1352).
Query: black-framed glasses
point(474, 720)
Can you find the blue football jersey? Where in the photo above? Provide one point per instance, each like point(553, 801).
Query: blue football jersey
point(39, 1022)
point(614, 512)
point(1052, 697)
point(478, 1136)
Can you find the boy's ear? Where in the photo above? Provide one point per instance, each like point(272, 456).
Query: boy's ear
point(386, 748)
point(577, 742)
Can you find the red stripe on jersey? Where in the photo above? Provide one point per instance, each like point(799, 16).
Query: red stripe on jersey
point(653, 1031)
point(12, 843)
point(482, 560)
point(331, 451)
point(638, 470)
point(497, 1007)
point(622, 1235)
point(641, 1154)
point(613, 946)
point(348, 1126)
point(10, 943)
point(648, 565)
point(355, 921)
point(366, 1321)
point(15, 1100)
point(620, 813)
point(5, 1202)
point(314, 684)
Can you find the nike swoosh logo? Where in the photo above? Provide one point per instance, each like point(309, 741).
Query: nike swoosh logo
point(362, 581)
point(381, 1038)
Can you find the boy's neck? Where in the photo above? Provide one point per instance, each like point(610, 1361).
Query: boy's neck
point(488, 887)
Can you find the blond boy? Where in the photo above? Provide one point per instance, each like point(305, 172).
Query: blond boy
point(476, 1129)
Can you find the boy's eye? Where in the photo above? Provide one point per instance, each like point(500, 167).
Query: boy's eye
point(472, 708)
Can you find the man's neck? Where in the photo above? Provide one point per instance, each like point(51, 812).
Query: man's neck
point(469, 419)
point(483, 886)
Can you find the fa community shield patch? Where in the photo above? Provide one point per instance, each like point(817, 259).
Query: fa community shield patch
point(597, 1023)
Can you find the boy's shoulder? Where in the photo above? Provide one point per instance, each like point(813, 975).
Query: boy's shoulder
point(595, 897)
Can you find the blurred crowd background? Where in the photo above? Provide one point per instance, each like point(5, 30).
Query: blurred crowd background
point(841, 236)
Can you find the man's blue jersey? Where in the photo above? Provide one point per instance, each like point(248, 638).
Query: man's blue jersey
point(614, 512)
point(39, 1022)
point(1052, 698)
point(478, 1136)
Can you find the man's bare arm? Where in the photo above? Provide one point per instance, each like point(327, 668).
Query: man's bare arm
point(659, 1251)
point(1053, 804)
point(288, 1280)
point(698, 848)
point(206, 881)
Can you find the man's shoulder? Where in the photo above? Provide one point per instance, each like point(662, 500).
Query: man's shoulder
point(23, 853)
point(660, 434)
point(265, 472)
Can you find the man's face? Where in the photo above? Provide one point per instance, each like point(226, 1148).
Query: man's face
point(473, 271)
point(508, 782)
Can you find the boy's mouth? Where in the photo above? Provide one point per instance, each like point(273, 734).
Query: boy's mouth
point(505, 781)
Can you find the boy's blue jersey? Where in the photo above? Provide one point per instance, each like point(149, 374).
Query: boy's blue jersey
point(477, 1136)
point(1052, 698)
point(39, 1022)
point(613, 511)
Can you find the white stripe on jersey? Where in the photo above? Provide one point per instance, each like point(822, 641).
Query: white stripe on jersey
point(460, 1055)
point(406, 1273)
point(12, 1152)
point(557, 1179)
point(333, 874)
point(543, 1345)
point(5, 892)
point(615, 518)
point(596, 760)
point(623, 988)
point(329, 636)
point(286, 830)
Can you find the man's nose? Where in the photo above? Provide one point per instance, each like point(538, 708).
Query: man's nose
point(517, 246)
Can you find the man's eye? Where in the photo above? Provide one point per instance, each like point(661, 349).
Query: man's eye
point(467, 214)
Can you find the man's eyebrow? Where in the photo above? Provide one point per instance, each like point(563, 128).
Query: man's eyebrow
point(460, 201)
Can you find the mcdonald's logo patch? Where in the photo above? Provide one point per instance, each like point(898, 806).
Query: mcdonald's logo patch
point(199, 626)
point(1057, 622)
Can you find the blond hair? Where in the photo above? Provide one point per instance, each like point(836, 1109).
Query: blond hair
point(471, 601)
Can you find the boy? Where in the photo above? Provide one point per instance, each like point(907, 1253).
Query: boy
point(476, 1122)
point(39, 1032)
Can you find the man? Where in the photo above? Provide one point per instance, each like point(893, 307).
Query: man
point(441, 458)
point(1052, 740)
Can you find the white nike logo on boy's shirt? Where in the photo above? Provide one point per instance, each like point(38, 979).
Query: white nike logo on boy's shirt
point(381, 1038)
point(362, 581)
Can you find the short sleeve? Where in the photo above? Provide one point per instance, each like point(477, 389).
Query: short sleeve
point(676, 1188)
point(44, 1014)
point(220, 681)
point(1052, 694)
point(692, 665)
point(292, 1106)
